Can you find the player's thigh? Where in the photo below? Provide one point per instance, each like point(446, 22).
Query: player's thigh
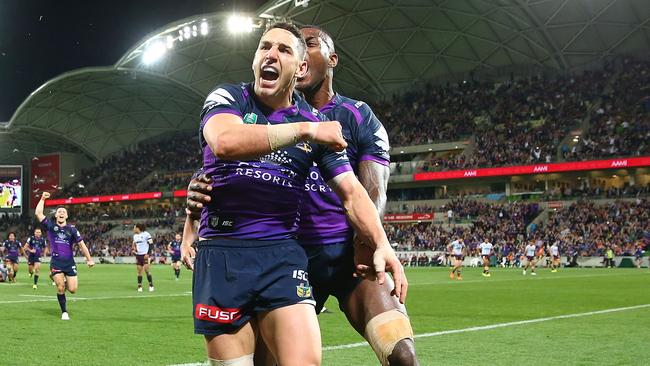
point(59, 281)
point(367, 300)
point(292, 334)
point(138, 268)
point(233, 345)
point(71, 283)
point(37, 266)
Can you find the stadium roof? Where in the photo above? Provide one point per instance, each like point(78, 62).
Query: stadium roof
point(384, 47)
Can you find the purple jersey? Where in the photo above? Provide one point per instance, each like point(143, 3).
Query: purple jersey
point(322, 218)
point(12, 248)
point(176, 247)
point(38, 244)
point(259, 199)
point(61, 238)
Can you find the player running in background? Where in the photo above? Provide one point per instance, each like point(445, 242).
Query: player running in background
point(141, 241)
point(34, 248)
point(267, 231)
point(486, 251)
point(324, 232)
point(530, 252)
point(554, 252)
point(62, 238)
point(457, 250)
point(174, 248)
point(12, 250)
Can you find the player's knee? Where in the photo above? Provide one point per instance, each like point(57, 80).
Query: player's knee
point(385, 331)
point(403, 354)
point(240, 361)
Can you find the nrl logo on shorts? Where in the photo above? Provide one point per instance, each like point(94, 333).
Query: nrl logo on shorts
point(304, 147)
point(250, 118)
point(303, 291)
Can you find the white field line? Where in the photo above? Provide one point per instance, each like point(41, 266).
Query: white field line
point(480, 328)
point(53, 298)
point(528, 277)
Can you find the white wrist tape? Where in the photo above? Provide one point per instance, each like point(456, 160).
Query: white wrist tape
point(281, 135)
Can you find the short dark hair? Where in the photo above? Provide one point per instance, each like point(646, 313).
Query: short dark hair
point(140, 226)
point(329, 41)
point(58, 207)
point(291, 28)
point(9, 234)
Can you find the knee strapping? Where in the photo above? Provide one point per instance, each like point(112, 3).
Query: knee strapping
point(385, 330)
point(240, 361)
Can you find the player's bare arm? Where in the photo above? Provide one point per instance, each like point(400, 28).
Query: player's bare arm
point(365, 220)
point(230, 139)
point(190, 230)
point(41, 206)
point(86, 253)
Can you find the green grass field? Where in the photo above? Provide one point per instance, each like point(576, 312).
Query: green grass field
point(112, 324)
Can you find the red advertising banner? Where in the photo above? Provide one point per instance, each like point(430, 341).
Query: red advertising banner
point(180, 193)
point(408, 217)
point(536, 169)
point(555, 204)
point(45, 175)
point(109, 198)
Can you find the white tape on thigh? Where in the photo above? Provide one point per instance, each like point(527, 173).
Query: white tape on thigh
point(240, 361)
point(385, 330)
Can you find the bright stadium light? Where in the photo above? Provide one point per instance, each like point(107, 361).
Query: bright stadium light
point(186, 32)
point(153, 52)
point(204, 28)
point(240, 24)
point(170, 42)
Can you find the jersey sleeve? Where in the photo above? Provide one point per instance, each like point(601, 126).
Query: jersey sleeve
point(29, 241)
point(330, 163)
point(76, 236)
point(225, 98)
point(47, 224)
point(372, 142)
point(148, 237)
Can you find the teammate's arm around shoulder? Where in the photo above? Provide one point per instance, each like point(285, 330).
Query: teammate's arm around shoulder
point(230, 139)
point(365, 220)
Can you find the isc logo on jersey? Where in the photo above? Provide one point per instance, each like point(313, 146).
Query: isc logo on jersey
point(216, 314)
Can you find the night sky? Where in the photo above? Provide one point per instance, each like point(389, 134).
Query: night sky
point(40, 39)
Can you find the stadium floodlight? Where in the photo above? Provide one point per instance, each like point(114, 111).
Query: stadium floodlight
point(240, 24)
point(170, 42)
point(186, 32)
point(204, 28)
point(153, 52)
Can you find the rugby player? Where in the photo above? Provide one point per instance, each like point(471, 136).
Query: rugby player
point(457, 250)
point(34, 247)
point(486, 251)
point(324, 232)
point(265, 223)
point(530, 252)
point(12, 250)
point(141, 241)
point(62, 238)
point(554, 252)
point(174, 248)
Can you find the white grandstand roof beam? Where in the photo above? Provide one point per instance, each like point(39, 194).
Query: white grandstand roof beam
point(82, 147)
point(587, 24)
point(542, 27)
point(627, 35)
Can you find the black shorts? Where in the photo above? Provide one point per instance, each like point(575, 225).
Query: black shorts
point(176, 258)
point(486, 257)
point(530, 258)
point(67, 267)
point(141, 259)
point(556, 257)
point(331, 269)
point(233, 280)
point(33, 258)
point(459, 257)
point(13, 260)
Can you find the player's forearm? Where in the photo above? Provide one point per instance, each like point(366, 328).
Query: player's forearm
point(39, 210)
point(190, 232)
point(374, 178)
point(235, 141)
point(361, 211)
point(84, 251)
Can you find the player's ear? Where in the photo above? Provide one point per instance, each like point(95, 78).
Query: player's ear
point(333, 60)
point(302, 69)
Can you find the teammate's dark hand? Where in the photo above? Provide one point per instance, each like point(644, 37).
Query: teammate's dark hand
point(198, 195)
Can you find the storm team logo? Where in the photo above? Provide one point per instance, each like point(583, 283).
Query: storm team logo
point(303, 291)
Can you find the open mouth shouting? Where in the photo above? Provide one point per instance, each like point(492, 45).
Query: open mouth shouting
point(269, 76)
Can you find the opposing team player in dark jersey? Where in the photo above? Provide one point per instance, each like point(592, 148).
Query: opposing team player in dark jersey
point(12, 250)
point(174, 249)
point(258, 151)
point(34, 248)
point(62, 238)
point(324, 231)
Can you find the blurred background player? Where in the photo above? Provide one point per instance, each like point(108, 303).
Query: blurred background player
point(62, 238)
point(457, 250)
point(530, 251)
point(486, 251)
point(638, 256)
point(174, 249)
point(34, 248)
point(12, 250)
point(141, 241)
point(554, 252)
